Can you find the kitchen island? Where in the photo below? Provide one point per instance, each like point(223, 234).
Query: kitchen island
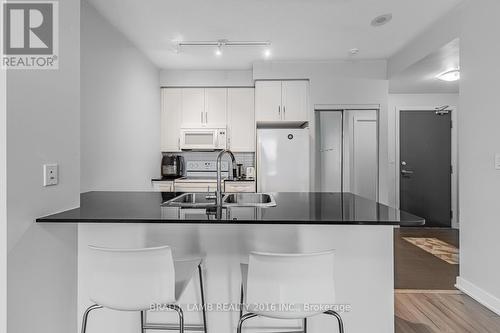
point(360, 230)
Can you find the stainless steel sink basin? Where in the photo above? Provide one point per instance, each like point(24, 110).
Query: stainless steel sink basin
point(194, 200)
point(203, 200)
point(249, 200)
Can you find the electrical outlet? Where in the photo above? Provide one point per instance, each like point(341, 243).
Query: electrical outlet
point(50, 174)
point(497, 161)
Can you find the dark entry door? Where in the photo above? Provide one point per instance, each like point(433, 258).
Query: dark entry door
point(425, 166)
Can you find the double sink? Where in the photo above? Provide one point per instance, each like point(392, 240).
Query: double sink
point(203, 200)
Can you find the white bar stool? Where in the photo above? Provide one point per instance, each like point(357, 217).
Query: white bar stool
point(272, 281)
point(136, 279)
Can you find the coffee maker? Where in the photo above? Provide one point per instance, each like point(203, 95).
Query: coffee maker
point(172, 166)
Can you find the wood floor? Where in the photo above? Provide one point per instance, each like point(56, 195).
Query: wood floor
point(421, 312)
point(426, 300)
point(417, 269)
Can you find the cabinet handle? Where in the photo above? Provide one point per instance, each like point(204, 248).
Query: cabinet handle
point(201, 114)
point(279, 112)
point(206, 117)
point(179, 143)
point(284, 110)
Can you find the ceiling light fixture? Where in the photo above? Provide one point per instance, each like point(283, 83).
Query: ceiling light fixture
point(218, 50)
point(223, 43)
point(450, 75)
point(381, 20)
point(267, 53)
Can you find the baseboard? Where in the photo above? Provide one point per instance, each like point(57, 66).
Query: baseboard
point(483, 297)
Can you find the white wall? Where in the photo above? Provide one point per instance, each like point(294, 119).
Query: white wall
point(479, 137)
point(339, 82)
point(120, 143)
point(3, 198)
point(207, 78)
point(43, 125)
point(443, 31)
point(413, 100)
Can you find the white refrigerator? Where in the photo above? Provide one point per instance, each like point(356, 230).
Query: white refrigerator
point(283, 160)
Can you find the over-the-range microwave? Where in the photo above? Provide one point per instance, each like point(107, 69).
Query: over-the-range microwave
point(203, 138)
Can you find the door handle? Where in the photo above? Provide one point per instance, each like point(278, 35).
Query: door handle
point(406, 172)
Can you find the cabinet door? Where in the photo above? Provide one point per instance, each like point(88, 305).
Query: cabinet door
point(268, 100)
point(215, 107)
point(193, 107)
point(171, 111)
point(241, 119)
point(294, 100)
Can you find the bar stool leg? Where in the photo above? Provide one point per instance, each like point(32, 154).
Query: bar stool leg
point(86, 316)
point(243, 318)
point(339, 319)
point(241, 301)
point(305, 325)
point(143, 320)
point(202, 290)
point(181, 317)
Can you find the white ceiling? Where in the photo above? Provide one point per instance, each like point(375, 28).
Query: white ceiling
point(420, 78)
point(298, 29)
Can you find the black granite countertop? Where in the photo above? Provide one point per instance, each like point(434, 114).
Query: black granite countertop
point(292, 208)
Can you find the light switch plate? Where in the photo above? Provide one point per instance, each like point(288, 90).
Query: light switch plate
point(497, 161)
point(50, 174)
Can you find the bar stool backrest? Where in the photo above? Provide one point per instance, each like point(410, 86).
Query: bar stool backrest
point(132, 279)
point(290, 286)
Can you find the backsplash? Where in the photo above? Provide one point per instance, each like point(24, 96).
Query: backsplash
point(247, 159)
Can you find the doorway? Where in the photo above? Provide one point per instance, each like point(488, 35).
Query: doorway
point(348, 151)
point(425, 165)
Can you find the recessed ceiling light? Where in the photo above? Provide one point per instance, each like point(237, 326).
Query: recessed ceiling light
point(267, 53)
point(353, 51)
point(381, 20)
point(449, 76)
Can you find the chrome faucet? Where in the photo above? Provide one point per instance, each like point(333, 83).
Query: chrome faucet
point(218, 194)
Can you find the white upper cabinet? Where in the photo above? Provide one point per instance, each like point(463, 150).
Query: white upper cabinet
point(241, 119)
point(171, 113)
point(193, 107)
point(204, 107)
point(215, 107)
point(268, 100)
point(279, 101)
point(294, 100)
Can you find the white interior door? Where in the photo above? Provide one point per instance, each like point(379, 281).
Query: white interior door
point(330, 123)
point(361, 153)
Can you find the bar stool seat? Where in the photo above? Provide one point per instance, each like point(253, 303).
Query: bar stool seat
point(141, 280)
point(279, 279)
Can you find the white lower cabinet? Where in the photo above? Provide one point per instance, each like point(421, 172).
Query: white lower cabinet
point(239, 186)
point(196, 187)
point(163, 186)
